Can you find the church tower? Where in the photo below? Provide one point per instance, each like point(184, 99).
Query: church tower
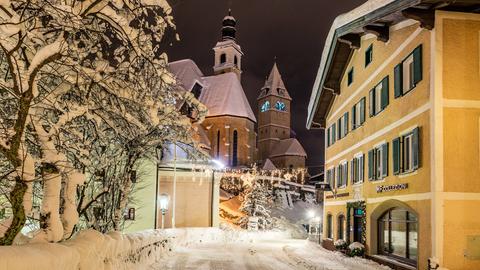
point(228, 54)
point(273, 114)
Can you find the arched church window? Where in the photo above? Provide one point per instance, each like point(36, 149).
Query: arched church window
point(235, 149)
point(218, 143)
point(223, 58)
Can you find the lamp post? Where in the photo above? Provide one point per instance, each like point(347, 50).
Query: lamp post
point(163, 199)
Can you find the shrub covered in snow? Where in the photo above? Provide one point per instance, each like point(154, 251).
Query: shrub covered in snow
point(356, 249)
point(340, 244)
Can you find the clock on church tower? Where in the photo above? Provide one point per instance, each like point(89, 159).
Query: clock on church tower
point(274, 113)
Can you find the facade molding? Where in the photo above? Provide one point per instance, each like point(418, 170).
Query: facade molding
point(374, 74)
point(461, 103)
point(383, 131)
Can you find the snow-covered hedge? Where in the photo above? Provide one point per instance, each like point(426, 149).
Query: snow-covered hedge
point(89, 250)
point(356, 249)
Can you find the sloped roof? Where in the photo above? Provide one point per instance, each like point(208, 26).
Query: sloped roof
point(203, 137)
point(269, 165)
point(274, 85)
point(224, 95)
point(288, 147)
point(186, 72)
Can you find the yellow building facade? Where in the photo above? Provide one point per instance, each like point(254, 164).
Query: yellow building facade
point(402, 136)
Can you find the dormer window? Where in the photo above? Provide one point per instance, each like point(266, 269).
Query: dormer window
point(223, 58)
point(197, 90)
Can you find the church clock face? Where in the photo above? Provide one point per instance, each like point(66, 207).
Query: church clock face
point(280, 106)
point(265, 106)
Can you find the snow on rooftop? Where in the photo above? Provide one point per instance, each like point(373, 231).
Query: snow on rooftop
point(340, 21)
point(186, 72)
point(224, 95)
point(269, 165)
point(288, 147)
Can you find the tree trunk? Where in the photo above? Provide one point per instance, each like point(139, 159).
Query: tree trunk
point(18, 211)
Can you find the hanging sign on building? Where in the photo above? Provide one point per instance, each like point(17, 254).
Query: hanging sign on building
point(381, 189)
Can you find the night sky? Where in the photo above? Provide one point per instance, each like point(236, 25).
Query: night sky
point(293, 31)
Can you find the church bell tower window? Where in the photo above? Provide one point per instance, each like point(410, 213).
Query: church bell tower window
point(223, 58)
point(265, 106)
point(235, 149)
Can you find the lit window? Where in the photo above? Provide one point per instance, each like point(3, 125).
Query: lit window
point(379, 97)
point(280, 106)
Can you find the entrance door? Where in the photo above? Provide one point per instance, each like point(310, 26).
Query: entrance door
point(357, 229)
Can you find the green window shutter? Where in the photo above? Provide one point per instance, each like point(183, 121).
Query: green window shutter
point(416, 148)
point(385, 92)
point(396, 156)
point(385, 160)
point(371, 106)
point(417, 65)
point(345, 128)
point(334, 135)
point(361, 168)
point(362, 111)
point(398, 80)
point(345, 177)
point(352, 171)
point(371, 165)
point(328, 136)
point(354, 125)
point(339, 128)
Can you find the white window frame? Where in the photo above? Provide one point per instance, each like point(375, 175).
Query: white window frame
point(378, 162)
point(378, 98)
point(407, 70)
point(407, 153)
point(342, 169)
point(358, 169)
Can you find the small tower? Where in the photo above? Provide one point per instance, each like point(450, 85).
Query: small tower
point(228, 54)
point(273, 114)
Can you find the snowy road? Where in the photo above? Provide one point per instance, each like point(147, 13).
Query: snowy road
point(265, 254)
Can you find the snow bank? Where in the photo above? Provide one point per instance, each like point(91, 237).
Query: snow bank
point(89, 250)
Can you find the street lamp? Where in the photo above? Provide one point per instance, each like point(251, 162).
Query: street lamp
point(163, 199)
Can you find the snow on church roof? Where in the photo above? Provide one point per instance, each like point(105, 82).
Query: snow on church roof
point(222, 94)
point(288, 147)
point(186, 71)
point(274, 85)
point(225, 96)
point(269, 165)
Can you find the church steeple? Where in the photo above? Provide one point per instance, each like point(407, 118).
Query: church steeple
point(228, 54)
point(274, 85)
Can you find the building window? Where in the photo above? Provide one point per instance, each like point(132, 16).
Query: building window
point(331, 134)
point(369, 55)
point(405, 152)
point(223, 58)
point(378, 162)
point(329, 226)
point(358, 114)
point(379, 97)
point(408, 73)
point(235, 60)
point(357, 169)
point(218, 143)
point(342, 174)
point(235, 149)
point(197, 90)
point(341, 227)
point(350, 77)
point(342, 126)
point(398, 235)
point(331, 177)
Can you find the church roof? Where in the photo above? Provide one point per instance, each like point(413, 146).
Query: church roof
point(222, 94)
point(269, 165)
point(288, 147)
point(186, 72)
point(274, 85)
point(203, 140)
point(225, 96)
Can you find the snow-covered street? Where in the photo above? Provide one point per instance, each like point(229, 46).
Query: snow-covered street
point(274, 253)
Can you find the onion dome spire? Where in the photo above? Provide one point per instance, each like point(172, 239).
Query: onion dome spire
point(228, 26)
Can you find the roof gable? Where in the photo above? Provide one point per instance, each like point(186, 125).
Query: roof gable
point(274, 85)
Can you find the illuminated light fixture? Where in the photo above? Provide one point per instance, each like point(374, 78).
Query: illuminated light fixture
point(163, 200)
point(218, 164)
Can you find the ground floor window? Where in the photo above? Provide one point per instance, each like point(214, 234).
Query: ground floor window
point(398, 235)
point(341, 227)
point(329, 226)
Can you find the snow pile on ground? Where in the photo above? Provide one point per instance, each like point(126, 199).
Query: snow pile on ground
point(89, 250)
